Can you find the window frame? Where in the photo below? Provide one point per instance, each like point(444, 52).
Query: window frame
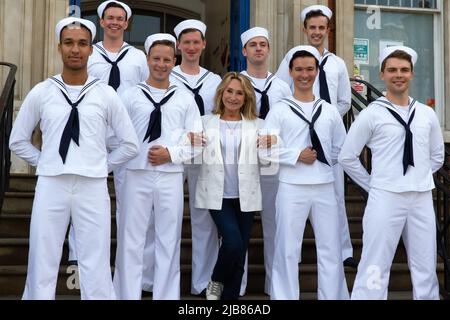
point(390, 8)
point(91, 5)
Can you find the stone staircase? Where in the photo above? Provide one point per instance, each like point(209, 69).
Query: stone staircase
point(14, 232)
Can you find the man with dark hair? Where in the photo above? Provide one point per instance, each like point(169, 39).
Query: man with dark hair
point(74, 111)
point(407, 147)
point(333, 86)
point(312, 132)
point(162, 115)
point(268, 90)
point(191, 41)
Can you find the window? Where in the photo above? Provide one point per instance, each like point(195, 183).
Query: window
point(420, 4)
point(148, 18)
point(142, 24)
point(417, 28)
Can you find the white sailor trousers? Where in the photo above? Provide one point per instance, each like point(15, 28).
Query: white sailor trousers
point(149, 257)
point(269, 189)
point(119, 177)
point(205, 239)
point(295, 203)
point(387, 216)
point(148, 193)
point(58, 200)
point(339, 189)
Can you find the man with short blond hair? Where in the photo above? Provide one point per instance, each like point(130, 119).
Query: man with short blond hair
point(162, 114)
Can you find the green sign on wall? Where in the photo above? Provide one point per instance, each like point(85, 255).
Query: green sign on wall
point(361, 51)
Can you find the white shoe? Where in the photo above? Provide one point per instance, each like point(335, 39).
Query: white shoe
point(214, 290)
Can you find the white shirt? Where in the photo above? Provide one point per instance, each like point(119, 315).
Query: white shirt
point(377, 128)
point(133, 67)
point(180, 115)
point(338, 80)
point(210, 184)
point(278, 89)
point(295, 137)
point(230, 139)
point(209, 80)
point(403, 111)
point(74, 92)
point(100, 108)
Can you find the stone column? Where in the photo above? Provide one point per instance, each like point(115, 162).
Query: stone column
point(264, 13)
point(282, 19)
point(447, 67)
point(28, 41)
point(345, 13)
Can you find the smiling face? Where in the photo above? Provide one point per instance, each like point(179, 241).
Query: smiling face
point(191, 44)
point(233, 97)
point(304, 72)
point(161, 60)
point(114, 23)
point(397, 75)
point(75, 47)
point(257, 50)
point(317, 31)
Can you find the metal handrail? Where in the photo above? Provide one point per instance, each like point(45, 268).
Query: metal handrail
point(6, 116)
point(359, 102)
point(442, 208)
point(441, 179)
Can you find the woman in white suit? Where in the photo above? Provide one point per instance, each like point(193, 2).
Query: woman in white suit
point(228, 184)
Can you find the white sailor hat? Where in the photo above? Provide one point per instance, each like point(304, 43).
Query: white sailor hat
point(384, 54)
point(190, 24)
point(74, 21)
point(158, 37)
point(253, 33)
point(325, 10)
point(102, 6)
point(309, 49)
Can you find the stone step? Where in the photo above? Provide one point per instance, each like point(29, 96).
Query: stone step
point(305, 296)
point(18, 225)
point(27, 183)
point(12, 280)
point(22, 203)
point(15, 252)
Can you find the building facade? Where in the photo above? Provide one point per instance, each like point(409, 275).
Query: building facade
point(360, 29)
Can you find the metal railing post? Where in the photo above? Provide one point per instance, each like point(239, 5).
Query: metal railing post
point(6, 116)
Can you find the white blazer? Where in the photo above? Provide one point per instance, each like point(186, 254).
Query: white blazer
point(211, 181)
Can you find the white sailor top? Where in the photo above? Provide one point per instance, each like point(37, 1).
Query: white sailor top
point(278, 89)
point(338, 80)
point(133, 67)
point(100, 108)
point(377, 128)
point(207, 79)
point(295, 137)
point(180, 115)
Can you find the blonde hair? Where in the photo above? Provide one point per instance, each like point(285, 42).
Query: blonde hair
point(248, 110)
